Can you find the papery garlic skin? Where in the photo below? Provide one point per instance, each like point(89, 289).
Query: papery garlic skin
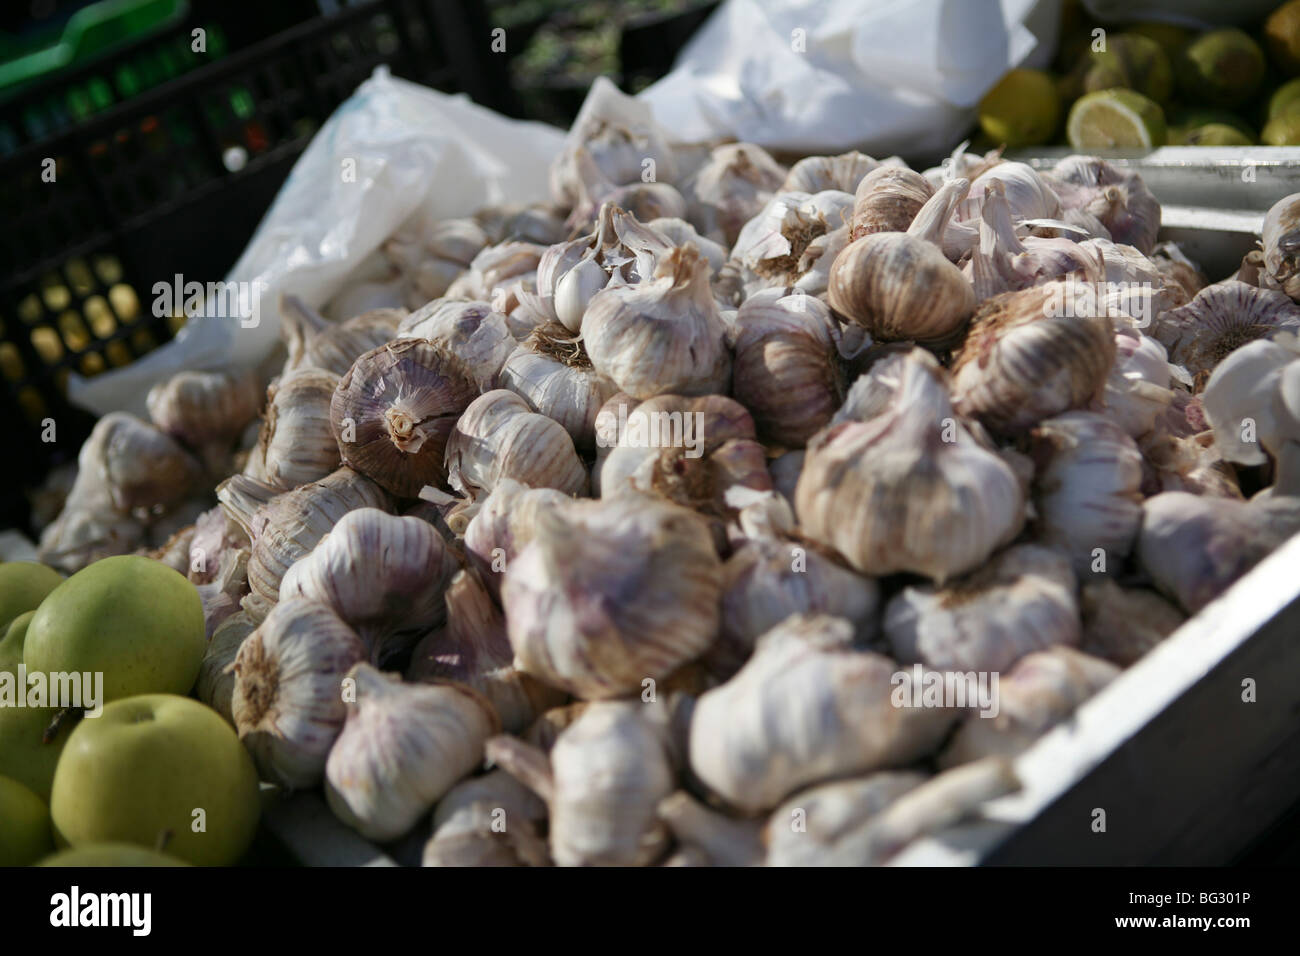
point(394, 410)
point(1025, 360)
point(1138, 387)
point(805, 708)
point(552, 372)
point(216, 681)
point(472, 649)
point(911, 489)
point(730, 189)
point(295, 445)
point(815, 174)
point(504, 523)
point(608, 594)
point(315, 342)
point(474, 332)
point(662, 336)
point(1116, 196)
point(1087, 491)
point(786, 369)
point(1121, 624)
point(1042, 690)
point(487, 821)
point(770, 248)
point(499, 436)
point(1281, 266)
point(887, 199)
point(1022, 601)
point(1222, 318)
point(287, 701)
point(381, 574)
point(402, 747)
point(831, 812)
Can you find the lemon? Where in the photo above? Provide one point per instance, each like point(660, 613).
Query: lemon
point(1214, 134)
point(1115, 119)
point(1183, 121)
point(1221, 68)
point(1282, 34)
point(1131, 61)
point(1022, 110)
point(1172, 39)
point(1283, 98)
point(1283, 129)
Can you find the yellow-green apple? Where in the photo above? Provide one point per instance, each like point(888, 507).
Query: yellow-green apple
point(23, 586)
point(24, 825)
point(11, 644)
point(130, 618)
point(110, 854)
point(23, 753)
point(154, 770)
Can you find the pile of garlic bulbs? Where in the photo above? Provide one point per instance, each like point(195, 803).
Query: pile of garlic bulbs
point(638, 539)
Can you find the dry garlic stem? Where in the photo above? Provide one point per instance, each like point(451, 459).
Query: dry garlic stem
point(806, 707)
point(393, 411)
point(611, 593)
point(403, 746)
point(383, 575)
point(287, 702)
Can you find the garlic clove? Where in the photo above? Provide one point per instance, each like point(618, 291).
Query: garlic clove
point(287, 701)
point(394, 410)
point(504, 524)
point(402, 747)
point(1022, 601)
point(637, 600)
point(805, 708)
point(807, 829)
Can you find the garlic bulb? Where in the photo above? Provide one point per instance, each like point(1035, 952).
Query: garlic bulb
point(495, 272)
point(619, 141)
point(430, 257)
point(1138, 387)
point(722, 840)
point(1028, 197)
point(772, 244)
point(1021, 601)
point(539, 222)
point(1027, 357)
point(1116, 196)
point(662, 336)
point(394, 410)
point(1252, 401)
point(730, 189)
point(887, 199)
point(499, 436)
point(1121, 624)
point(1178, 269)
point(139, 465)
point(1281, 242)
point(645, 200)
point(786, 369)
point(637, 600)
point(605, 778)
point(806, 707)
point(911, 489)
point(472, 649)
point(289, 525)
point(382, 575)
point(1087, 489)
point(689, 450)
point(771, 575)
point(1194, 548)
point(679, 232)
point(472, 331)
point(810, 829)
point(552, 372)
point(504, 523)
point(216, 683)
point(1174, 463)
point(815, 174)
point(1042, 690)
point(899, 285)
point(315, 342)
point(224, 594)
point(402, 747)
point(490, 820)
point(205, 411)
point(295, 444)
point(287, 703)
point(1222, 318)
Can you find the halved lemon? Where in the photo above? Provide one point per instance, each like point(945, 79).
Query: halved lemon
point(1115, 119)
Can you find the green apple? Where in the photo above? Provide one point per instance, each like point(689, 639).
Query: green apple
point(153, 767)
point(134, 620)
point(23, 586)
point(24, 825)
point(11, 644)
point(23, 754)
point(110, 854)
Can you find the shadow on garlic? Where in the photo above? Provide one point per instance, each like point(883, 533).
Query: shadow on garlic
point(807, 707)
point(401, 748)
point(492, 820)
point(472, 649)
point(1020, 602)
point(608, 594)
point(911, 489)
point(287, 701)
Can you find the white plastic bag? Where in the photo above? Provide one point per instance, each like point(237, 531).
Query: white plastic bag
point(393, 149)
point(883, 76)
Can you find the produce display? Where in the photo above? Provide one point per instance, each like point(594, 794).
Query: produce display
point(1142, 85)
point(655, 522)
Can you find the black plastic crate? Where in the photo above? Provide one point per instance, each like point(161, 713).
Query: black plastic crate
point(174, 180)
